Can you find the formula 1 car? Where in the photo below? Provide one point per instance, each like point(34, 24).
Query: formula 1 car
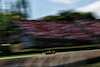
point(48, 52)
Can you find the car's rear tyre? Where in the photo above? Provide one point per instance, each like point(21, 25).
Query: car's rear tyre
point(43, 54)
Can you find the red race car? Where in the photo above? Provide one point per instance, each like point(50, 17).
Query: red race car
point(48, 52)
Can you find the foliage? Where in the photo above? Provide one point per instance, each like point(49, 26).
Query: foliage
point(7, 26)
point(22, 4)
point(69, 16)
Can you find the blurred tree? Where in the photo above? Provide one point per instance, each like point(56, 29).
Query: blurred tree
point(25, 6)
point(70, 16)
point(87, 15)
point(7, 27)
point(20, 6)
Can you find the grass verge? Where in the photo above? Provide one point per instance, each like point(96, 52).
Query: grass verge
point(71, 47)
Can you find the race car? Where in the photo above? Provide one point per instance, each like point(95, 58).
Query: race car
point(48, 52)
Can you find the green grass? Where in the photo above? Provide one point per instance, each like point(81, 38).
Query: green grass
point(25, 55)
point(93, 65)
point(71, 47)
point(20, 55)
point(97, 63)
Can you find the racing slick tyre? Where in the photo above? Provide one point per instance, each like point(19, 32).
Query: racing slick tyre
point(43, 54)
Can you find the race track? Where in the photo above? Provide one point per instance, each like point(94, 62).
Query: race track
point(49, 60)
